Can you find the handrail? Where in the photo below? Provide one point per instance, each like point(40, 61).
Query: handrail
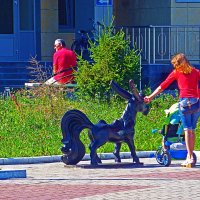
point(157, 26)
point(158, 43)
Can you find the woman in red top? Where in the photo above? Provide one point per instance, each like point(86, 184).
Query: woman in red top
point(187, 78)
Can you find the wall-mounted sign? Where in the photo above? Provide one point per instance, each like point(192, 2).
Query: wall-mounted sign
point(104, 2)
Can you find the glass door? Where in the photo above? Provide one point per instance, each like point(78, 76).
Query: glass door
point(8, 30)
point(27, 40)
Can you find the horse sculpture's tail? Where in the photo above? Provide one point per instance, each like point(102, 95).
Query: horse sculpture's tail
point(72, 123)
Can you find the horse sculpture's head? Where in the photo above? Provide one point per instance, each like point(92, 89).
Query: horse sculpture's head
point(142, 107)
point(135, 97)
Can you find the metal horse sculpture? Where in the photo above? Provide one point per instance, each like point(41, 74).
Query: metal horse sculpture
point(121, 130)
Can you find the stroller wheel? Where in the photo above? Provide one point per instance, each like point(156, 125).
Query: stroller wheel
point(159, 156)
point(195, 158)
point(166, 159)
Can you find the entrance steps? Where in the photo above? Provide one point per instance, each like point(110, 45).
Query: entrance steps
point(15, 74)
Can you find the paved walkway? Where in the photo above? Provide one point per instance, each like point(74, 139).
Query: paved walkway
point(49, 181)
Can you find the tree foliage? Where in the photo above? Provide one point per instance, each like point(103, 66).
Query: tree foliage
point(112, 58)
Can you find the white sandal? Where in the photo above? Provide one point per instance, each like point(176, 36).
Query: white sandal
point(188, 163)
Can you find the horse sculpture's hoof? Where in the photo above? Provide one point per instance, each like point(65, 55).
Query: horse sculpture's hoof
point(94, 163)
point(98, 160)
point(64, 159)
point(117, 158)
point(65, 150)
point(136, 159)
point(138, 163)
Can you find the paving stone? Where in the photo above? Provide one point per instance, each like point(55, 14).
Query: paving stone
point(150, 181)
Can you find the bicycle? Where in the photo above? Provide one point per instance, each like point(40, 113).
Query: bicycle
point(81, 45)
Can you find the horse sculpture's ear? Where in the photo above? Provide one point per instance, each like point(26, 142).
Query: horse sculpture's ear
point(120, 91)
point(134, 90)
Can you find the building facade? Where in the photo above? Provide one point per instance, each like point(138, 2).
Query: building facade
point(28, 28)
point(160, 29)
point(156, 12)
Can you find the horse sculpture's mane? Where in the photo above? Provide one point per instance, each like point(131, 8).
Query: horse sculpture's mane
point(121, 130)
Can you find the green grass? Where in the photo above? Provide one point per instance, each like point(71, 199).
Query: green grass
point(34, 129)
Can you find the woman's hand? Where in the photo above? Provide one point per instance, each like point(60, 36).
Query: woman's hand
point(147, 99)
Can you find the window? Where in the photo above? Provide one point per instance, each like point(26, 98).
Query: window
point(26, 15)
point(66, 14)
point(6, 17)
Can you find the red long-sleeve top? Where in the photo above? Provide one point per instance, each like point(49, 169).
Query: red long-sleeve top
point(62, 60)
point(187, 83)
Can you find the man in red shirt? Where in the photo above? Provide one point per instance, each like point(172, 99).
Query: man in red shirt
point(63, 62)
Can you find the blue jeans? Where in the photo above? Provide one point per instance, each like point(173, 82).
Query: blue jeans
point(189, 121)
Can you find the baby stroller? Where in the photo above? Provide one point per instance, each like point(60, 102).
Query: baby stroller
point(173, 142)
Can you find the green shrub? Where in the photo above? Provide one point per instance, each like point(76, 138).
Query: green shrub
point(112, 59)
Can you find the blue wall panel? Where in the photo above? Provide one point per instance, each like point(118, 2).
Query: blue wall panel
point(154, 74)
point(27, 46)
point(84, 14)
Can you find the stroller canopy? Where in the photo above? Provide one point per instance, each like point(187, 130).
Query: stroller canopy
point(173, 117)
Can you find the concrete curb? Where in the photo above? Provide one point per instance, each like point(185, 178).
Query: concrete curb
point(7, 174)
point(57, 158)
